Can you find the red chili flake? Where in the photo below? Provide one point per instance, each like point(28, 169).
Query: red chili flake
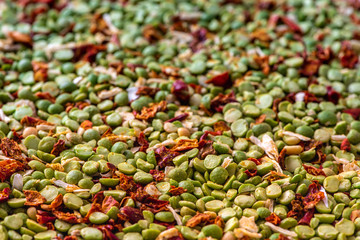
point(7, 60)
point(4, 194)
point(45, 95)
point(354, 112)
point(222, 80)
point(323, 54)
point(200, 218)
point(30, 18)
point(260, 119)
point(218, 102)
point(275, 176)
point(147, 91)
point(313, 170)
point(175, 191)
point(40, 71)
point(8, 168)
point(56, 203)
point(87, 52)
point(142, 142)
point(19, 37)
point(44, 217)
point(71, 238)
point(98, 24)
point(50, 226)
point(127, 183)
point(310, 67)
point(332, 95)
point(16, 137)
point(354, 215)
point(256, 161)
point(221, 126)
point(198, 39)
point(67, 217)
point(155, 205)
point(266, 4)
point(297, 208)
point(179, 117)
point(181, 91)
point(150, 112)
point(154, 34)
point(314, 196)
point(263, 62)
point(291, 24)
point(345, 145)
point(185, 144)
point(108, 203)
point(110, 135)
point(86, 125)
point(164, 156)
point(158, 175)
point(205, 148)
point(273, 218)
point(273, 20)
point(309, 97)
point(107, 234)
point(197, 88)
point(33, 122)
point(282, 237)
point(132, 214)
point(170, 71)
point(348, 57)
point(59, 146)
point(33, 198)
point(206, 134)
point(251, 172)
point(118, 66)
point(305, 220)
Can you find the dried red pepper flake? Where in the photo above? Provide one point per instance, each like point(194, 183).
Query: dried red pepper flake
point(86, 125)
point(158, 175)
point(44, 217)
point(118, 66)
point(150, 112)
point(266, 4)
point(6, 60)
point(348, 57)
point(305, 220)
point(9, 167)
point(33, 198)
point(345, 145)
point(261, 35)
point(273, 218)
point(107, 234)
point(313, 170)
point(221, 126)
point(263, 62)
point(33, 122)
point(251, 172)
point(40, 71)
point(71, 238)
point(199, 37)
point(4, 194)
point(179, 117)
point(59, 146)
point(45, 95)
point(154, 33)
point(297, 208)
point(354, 112)
point(144, 144)
point(354, 215)
point(175, 191)
point(273, 176)
point(314, 195)
point(11, 149)
point(127, 183)
point(67, 217)
point(98, 24)
point(56, 203)
point(205, 148)
point(181, 91)
point(16, 136)
point(291, 24)
point(200, 218)
point(133, 215)
point(282, 237)
point(185, 144)
point(87, 52)
point(164, 156)
point(310, 67)
point(332, 95)
point(323, 54)
point(222, 79)
point(147, 91)
point(19, 37)
point(260, 119)
point(256, 161)
point(217, 103)
point(108, 203)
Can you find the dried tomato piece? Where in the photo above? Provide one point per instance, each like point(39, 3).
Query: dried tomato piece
point(127, 183)
point(40, 73)
point(67, 217)
point(164, 156)
point(297, 210)
point(185, 144)
point(33, 198)
point(158, 175)
point(313, 170)
point(273, 218)
point(133, 215)
point(11, 149)
point(348, 57)
point(9, 167)
point(143, 142)
point(56, 203)
point(147, 91)
point(45, 95)
point(310, 67)
point(218, 102)
point(175, 191)
point(222, 79)
point(181, 91)
point(345, 145)
point(305, 220)
point(155, 205)
point(59, 146)
point(199, 218)
point(179, 117)
point(323, 54)
point(149, 112)
point(4, 194)
point(251, 172)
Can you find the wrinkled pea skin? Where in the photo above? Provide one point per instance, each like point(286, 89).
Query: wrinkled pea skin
point(182, 120)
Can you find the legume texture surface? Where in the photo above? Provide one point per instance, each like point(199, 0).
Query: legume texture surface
point(158, 120)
